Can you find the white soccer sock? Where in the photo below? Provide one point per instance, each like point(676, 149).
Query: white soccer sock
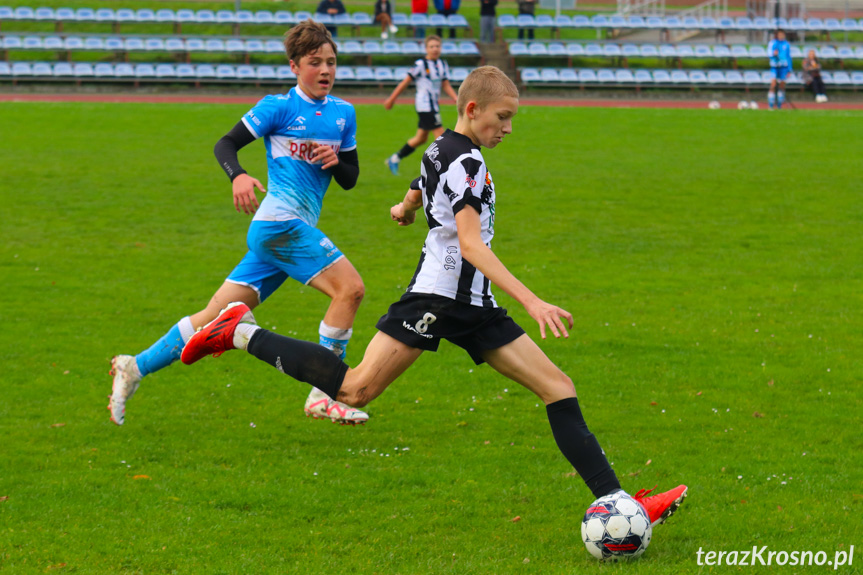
point(243, 333)
point(187, 330)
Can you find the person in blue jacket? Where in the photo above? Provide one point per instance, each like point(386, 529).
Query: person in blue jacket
point(779, 52)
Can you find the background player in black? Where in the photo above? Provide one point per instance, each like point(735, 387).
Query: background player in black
point(487, 102)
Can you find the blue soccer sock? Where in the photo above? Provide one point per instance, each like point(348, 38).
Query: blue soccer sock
point(771, 98)
point(167, 349)
point(781, 98)
point(335, 339)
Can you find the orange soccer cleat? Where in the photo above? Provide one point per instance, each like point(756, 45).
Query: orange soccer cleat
point(217, 337)
point(663, 505)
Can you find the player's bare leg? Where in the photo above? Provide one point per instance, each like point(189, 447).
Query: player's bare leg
point(342, 284)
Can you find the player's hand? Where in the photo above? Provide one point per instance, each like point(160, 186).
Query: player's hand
point(244, 193)
point(402, 216)
point(325, 155)
point(549, 315)
point(388, 103)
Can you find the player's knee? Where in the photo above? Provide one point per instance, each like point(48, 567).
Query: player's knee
point(352, 292)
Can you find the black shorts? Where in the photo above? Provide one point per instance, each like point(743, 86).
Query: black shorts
point(422, 320)
point(429, 121)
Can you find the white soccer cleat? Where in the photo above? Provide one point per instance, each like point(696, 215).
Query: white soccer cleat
point(320, 406)
point(393, 28)
point(124, 368)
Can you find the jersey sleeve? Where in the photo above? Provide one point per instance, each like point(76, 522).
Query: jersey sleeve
point(349, 138)
point(266, 116)
point(417, 70)
point(464, 183)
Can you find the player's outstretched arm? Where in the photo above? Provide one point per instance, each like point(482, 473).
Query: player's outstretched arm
point(447, 87)
point(405, 212)
point(474, 250)
point(388, 103)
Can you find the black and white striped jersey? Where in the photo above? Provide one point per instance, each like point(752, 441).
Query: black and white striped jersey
point(454, 175)
point(429, 75)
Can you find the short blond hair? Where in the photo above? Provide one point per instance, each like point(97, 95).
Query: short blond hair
point(485, 85)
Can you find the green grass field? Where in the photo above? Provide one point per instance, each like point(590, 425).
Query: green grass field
point(711, 261)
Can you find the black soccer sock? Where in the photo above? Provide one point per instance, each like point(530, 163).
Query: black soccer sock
point(406, 151)
point(305, 361)
point(580, 447)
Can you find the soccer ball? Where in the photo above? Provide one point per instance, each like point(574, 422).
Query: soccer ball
point(743, 105)
point(753, 105)
point(714, 105)
point(616, 527)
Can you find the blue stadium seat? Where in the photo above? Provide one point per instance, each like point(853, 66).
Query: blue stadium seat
point(344, 73)
point(411, 48)
point(544, 21)
point(743, 23)
point(832, 25)
point(716, 77)
point(322, 18)
point(43, 69)
point(667, 51)
point(225, 17)
point(103, 70)
point(733, 77)
point(587, 76)
point(850, 25)
point(84, 70)
point(364, 74)
point(549, 75)
point(630, 51)
point(518, 49)
point(145, 15)
point(302, 16)
point(525, 21)
point(537, 49)
point(673, 23)
point(124, 15)
point(594, 50)
point(6, 13)
point(643, 77)
point(580, 21)
point(691, 23)
point(457, 21)
point(63, 70)
point(438, 20)
point(61, 14)
point(679, 77)
point(94, 43)
point(183, 16)
point(448, 48)
point(418, 20)
point(721, 51)
point(205, 71)
point(105, 15)
point(757, 51)
point(708, 23)
point(165, 15)
point(264, 17)
point(361, 19)
point(459, 74)
point(697, 77)
point(797, 24)
point(133, 45)
point(739, 51)
point(568, 76)
point(246, 72)
point(624, 76)
point(654, 23)
point(32, 43)
point(648, 51)
point(73, 43)
point(599, 21)
point(726, 23)
point(115, 44)
point(166, 71)
point(123, 70)
point(556, 49)
point(467, 48)
point(685, 51)
point(636, 22)
point(267, 73)
point(762, 24)
point(563, 21)
point(401, 71)
point(24, 13)
point(352, 47)
point(751, 77)
point(214, 45)
point(235, 46)
point(615, 21)
point(195, 45)
point(703, 51)
point(20, 69)
point(255, 47)
point(186, 71)
point(574, 49)
point(857, 78)
point(383, 74)
point(284, 18)
point(827, 52)
point(226, 72)
point(371, 47)
point(145, 71)
point(390, 48)
point(85, 15)
point(611, 50)
point(661, 77)
point(44, 14)
point(274, 47)
point(529, 75)
point(56, 43)
point(244, 17)
point(840, 77)
point(205, 16)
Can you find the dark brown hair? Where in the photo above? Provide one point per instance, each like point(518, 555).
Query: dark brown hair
point(307, 37)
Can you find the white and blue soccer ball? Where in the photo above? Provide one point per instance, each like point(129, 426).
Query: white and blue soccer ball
point(743, 105)
point(616, 527)
point(753, 105)
point(714, 105)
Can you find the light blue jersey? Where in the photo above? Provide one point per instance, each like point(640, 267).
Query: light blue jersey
point(779, 52)
point(289, 124)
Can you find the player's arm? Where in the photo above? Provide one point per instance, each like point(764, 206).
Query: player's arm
point(405, 212)
point(388, 103)
point(474, 250)
point(344, 166)
point(447, 87)
point(242, 184)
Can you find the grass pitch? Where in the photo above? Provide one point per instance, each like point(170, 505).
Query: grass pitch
point(711, 261)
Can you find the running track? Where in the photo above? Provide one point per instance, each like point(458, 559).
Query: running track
point(250, 100)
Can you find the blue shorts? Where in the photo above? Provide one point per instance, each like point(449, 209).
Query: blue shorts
point(780, 72)
point(278, 250)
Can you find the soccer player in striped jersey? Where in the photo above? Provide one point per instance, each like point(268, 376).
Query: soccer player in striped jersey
point(449, 298)
point(310, 139)
point(431, 75)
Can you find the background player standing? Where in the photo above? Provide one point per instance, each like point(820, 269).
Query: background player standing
point(450, 297)
point(310, 138)
point(431, 75)
point(779, 51)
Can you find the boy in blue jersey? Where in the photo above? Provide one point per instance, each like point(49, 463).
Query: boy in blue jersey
point(779, 52)
point(310, 138)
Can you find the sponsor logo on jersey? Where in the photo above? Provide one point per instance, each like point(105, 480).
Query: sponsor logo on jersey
point(254, 119)
point(432, 154)
point(409, 327)
point(470, 181)
point(341, 124)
